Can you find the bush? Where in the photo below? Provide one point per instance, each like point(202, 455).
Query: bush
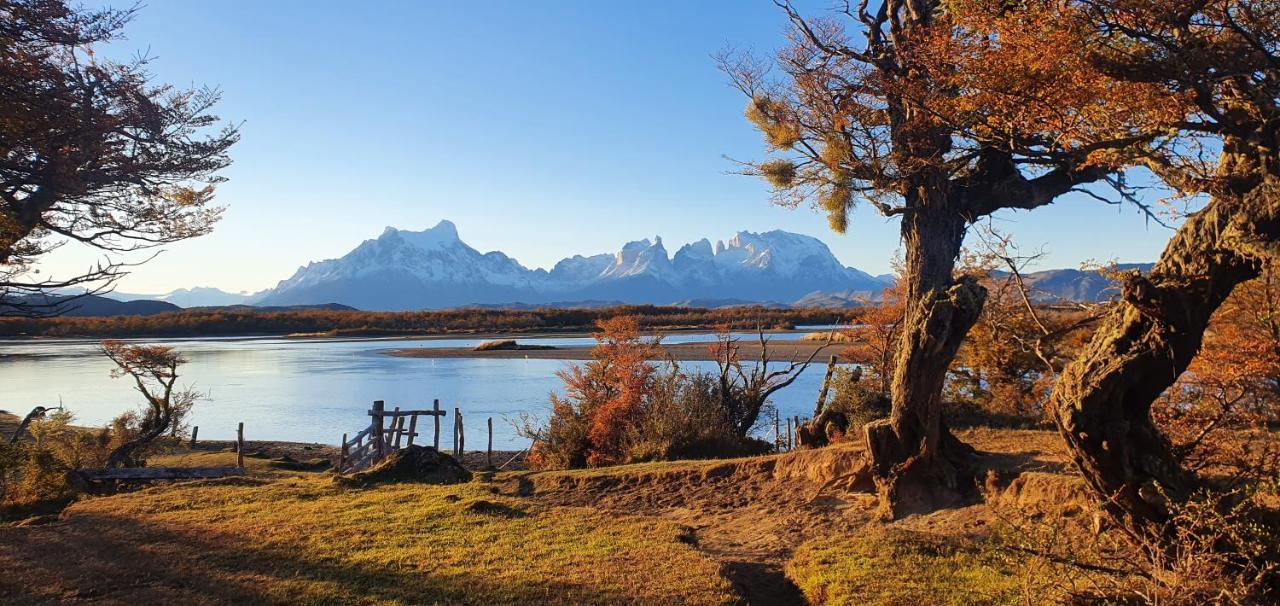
point(859, 401)
point(686, 420)
point(33, 472)
point(622, 408)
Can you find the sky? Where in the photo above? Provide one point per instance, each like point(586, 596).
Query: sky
point(542, 129)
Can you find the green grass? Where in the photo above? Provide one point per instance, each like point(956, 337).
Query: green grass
point(305, 541)
point(888, 567)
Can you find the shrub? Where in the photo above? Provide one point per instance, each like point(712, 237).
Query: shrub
point(859, 401)
point(620, 407)
point(33, 472)
point(687, 420)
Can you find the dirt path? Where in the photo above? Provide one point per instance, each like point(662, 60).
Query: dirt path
point(748, 514)
point(751, 514)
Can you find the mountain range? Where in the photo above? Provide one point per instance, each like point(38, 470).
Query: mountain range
point(434, 269)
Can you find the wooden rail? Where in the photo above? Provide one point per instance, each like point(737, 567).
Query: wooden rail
point(385, 433)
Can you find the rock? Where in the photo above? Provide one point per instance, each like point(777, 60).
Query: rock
point(411, 464)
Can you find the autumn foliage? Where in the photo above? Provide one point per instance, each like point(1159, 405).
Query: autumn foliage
point(1232, 389)
point(626, 405)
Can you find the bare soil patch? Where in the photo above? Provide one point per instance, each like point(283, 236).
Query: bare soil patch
point(750, 514)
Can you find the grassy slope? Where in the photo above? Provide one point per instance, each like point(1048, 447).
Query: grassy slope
point(305, 541)
point(649, 533)
point(892, 567)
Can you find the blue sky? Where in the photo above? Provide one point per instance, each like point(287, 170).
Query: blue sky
point(542, 129)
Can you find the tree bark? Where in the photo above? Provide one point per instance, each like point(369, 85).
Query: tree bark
point(1102, 402)
point(915, 462)
point(153, 427)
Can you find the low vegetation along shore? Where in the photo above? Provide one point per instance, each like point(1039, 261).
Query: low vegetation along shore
point(778, 350)
point(327, 323)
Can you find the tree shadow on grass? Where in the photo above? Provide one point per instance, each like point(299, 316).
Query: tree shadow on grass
point(115, 559)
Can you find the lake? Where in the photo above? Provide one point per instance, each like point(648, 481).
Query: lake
point(314, 390)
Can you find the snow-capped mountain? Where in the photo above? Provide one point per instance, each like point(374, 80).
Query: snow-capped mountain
point(402, 270)
point(199, 296)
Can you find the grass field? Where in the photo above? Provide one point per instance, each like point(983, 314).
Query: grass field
point(305, 541)
point(758, 530)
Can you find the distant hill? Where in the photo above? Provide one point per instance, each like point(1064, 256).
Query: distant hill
point(845, 299)
point(275, 308)
point(199, 296)
point(1085, 286)
point(723, 303)
point(521, 306)
point(92, 306)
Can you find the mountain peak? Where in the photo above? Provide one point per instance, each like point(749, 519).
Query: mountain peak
point(443, 234)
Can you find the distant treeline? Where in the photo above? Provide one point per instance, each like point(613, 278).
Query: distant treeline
point(362, 323)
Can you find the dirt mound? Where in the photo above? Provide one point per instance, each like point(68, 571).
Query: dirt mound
point(510, 345)
point(412, 464)
point(1048, 492)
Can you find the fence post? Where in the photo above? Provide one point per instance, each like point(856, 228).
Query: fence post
point(240, 445)
point(826, 383)
point(461, 433)
point(342, 454)
point(194, 432)
point(413, 427)
point(790, 442)
point(777, 433)
point(395, 428)
point(377, 427)
point(435, 407)
point(488, 452)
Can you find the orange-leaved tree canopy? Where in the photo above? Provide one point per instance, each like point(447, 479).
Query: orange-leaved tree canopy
point(871, 104)
point(92, 151)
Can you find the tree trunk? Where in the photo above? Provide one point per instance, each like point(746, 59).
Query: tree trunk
point(125, 455)
point(1102, 402)
point(916, 464)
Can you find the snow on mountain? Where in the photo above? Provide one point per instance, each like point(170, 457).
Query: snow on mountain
point(199, 296)
point(434, 268)
point(639, 258)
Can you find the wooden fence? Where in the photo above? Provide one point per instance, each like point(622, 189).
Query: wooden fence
point(386, 432)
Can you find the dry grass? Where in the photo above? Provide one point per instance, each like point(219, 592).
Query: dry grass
point(897, 567)
point(305, 541)
point(685, 532)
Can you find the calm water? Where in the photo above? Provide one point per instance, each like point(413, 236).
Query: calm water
point(315, 390)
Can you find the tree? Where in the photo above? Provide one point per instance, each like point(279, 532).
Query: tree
point(874, 338)
point(884, 117)
point(154, 370)
point(1219, 58)
point(1231, 387)
point(92, 151)
point(743, 393)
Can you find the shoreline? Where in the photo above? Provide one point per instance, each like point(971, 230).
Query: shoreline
point(543, 333)
point(779, 351)
point(286, 452)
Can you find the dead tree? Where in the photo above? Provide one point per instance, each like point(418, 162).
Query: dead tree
point(35, 413)
point(744, 392)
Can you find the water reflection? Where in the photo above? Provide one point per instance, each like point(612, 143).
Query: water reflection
point(314, 390)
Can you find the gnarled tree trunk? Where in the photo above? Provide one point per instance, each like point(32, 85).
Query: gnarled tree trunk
point(915, 462)
point(1102, 403)
point(157, 421)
